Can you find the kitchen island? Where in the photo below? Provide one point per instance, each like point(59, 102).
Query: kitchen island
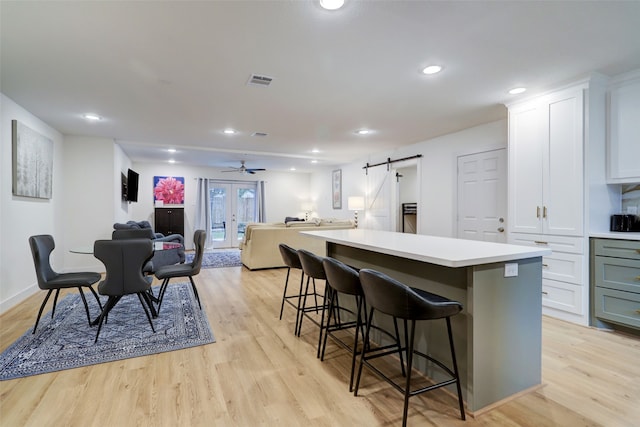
point(497, 335)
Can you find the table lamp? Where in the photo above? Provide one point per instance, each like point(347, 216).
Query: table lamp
point(355, 203)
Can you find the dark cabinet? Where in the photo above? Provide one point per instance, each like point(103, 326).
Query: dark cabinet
point(616, 272)
point(169, 221)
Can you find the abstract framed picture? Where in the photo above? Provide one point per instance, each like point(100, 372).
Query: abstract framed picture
point(32, 162)
point(168, 190)
point(336, 188)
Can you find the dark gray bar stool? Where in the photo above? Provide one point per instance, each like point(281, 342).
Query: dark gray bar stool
point(345, 280)
point(292, 261)
point(389, 296)
point(313, 269)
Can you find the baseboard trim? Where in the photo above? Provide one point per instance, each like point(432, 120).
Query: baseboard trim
point(11, 302)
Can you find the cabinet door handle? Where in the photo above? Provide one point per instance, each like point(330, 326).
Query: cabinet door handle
point(545, 293)
point(537, 211)
point(544, 212)
point(637, 277)
point(638, 250)
point(545, 265)
point(638, 311)
point(540, 242)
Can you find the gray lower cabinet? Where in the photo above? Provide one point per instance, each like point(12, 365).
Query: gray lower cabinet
point(616, 268)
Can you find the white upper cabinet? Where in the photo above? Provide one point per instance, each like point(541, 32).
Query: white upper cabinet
point(624, 131)
point(546, 171)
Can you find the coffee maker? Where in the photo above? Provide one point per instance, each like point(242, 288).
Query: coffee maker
point(625, 222)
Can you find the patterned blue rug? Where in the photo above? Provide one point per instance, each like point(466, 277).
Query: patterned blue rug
point(218, 258)
point(66, 341)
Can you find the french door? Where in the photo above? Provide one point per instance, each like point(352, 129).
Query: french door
point(233, 205)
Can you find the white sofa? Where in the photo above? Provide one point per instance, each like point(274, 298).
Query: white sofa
point(259, 249)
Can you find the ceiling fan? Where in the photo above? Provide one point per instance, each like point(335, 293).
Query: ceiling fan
point(244, 170)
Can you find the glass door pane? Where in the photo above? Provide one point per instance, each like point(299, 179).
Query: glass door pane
point(218, 197)
point(245, 209)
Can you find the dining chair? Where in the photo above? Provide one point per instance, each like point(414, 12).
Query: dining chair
point(124, 261)
point(167, 272)
point(48, 279)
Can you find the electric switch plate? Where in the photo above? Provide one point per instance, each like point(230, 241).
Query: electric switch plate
point(510, 270)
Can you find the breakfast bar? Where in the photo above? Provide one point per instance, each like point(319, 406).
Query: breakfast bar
point(497, 335)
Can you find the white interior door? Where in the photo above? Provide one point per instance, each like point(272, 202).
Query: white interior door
point(233, 205)
point(482, 191)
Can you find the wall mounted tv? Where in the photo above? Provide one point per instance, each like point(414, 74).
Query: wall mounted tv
point(130, 186)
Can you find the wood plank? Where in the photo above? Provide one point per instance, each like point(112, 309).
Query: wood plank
point(259, 374)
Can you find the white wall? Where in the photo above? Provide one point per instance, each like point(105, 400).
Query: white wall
point(89, 197)
point(284, 191)
point(437, 169)
point(22, 217)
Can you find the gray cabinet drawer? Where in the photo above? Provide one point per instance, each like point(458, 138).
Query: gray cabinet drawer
point(618, 248)
point(617, 306)
point(617, 273)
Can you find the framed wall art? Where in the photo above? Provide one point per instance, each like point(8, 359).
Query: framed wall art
point(168, 190)
point(32, 161)
point(336, 188)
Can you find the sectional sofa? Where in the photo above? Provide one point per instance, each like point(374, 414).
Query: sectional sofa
point(259, 248)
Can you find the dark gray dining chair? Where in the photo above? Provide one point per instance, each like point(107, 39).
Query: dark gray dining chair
point(124, 261)
point(48, 279)
point(189, 270)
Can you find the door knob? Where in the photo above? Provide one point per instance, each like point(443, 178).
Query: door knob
point(501, 229)
point(500, 220)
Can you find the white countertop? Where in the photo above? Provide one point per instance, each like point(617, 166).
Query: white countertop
point(619, 235)
point(443, 251)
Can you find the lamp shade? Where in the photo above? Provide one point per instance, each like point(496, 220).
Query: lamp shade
point(355, 203)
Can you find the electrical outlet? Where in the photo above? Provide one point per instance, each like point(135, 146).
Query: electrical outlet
point(511, 270)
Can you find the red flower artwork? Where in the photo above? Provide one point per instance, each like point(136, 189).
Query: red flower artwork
point(169, 189)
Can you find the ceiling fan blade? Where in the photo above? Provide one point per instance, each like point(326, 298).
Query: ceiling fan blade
point(255, 170)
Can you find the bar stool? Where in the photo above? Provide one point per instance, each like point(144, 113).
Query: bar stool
point(393, 298)
point(291, 259)
point(344, 279)
point(313, 269)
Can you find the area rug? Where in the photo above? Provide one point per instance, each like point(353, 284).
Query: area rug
point(66, 341)
point(218, 258)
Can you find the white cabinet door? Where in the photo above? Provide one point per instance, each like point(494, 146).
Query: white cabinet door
point(624, 128)
point(563, 195)
point(525, 168)
point(546, 154)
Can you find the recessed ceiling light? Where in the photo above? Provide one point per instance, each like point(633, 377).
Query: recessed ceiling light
point(314, 161)
point(92, 117)
point(171, 161)
point(292, 169)
point(171, 150)
point(363, 131)
point(229, 131)
point(315, 150)
point(432, 69)
point(517, 90)
point(331, 4)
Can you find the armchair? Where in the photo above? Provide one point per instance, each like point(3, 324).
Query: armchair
point(133, 230)
point(146, 225)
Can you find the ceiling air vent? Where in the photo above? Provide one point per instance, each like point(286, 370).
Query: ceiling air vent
point(258, 134)
point(258, 80)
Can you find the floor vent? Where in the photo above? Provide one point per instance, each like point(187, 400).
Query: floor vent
point(258, 134)
point(258, 80)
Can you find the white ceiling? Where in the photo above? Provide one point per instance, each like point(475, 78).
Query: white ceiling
point(174, 73)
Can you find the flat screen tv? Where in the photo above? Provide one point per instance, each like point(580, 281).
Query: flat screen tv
point(132, 186)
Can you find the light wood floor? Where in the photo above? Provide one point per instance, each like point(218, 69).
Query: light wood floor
point(259, 374)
